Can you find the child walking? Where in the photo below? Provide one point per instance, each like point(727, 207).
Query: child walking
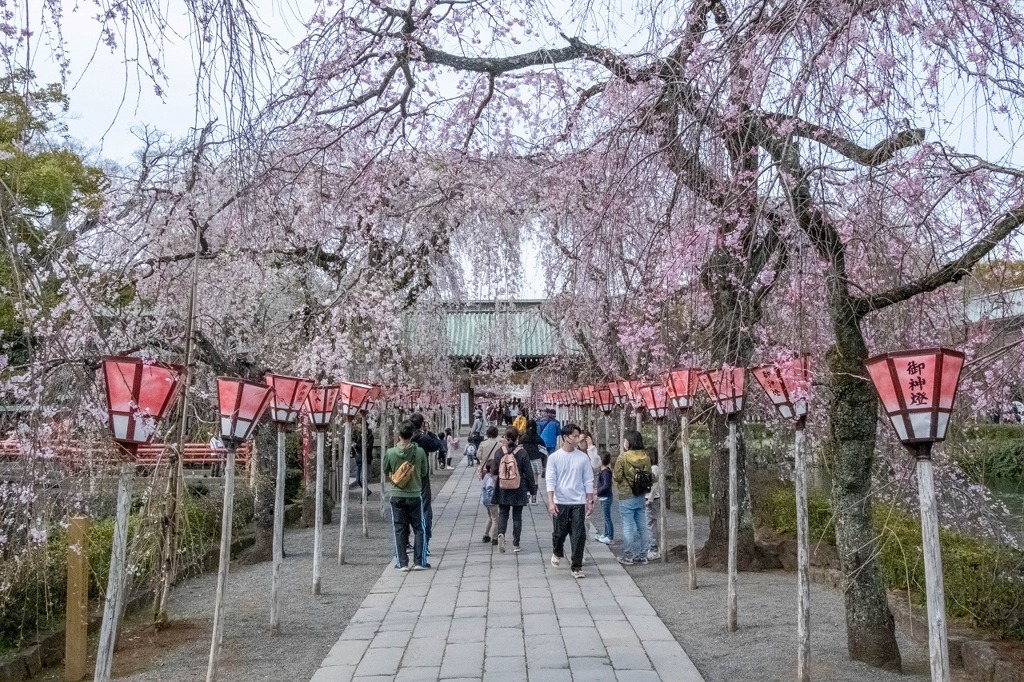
point(604, 496)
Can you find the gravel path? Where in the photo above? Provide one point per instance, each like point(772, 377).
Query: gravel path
point(764, 647)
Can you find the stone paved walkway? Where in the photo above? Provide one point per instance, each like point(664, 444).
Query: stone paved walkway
point(482, 615)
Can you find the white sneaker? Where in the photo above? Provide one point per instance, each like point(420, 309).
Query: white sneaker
point(555, 561)
point(501, 542)
point(652, 556)
point(604, 539)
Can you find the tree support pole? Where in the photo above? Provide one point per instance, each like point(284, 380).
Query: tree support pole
point(691, 552)
point(343, 522)
point(113, 605)
point(938, 646)
point(803, 623)
point(734, 514)
point(225, 560)
point(383, 426)
point(275, 580)
point(318, 523)
point(663, 489)
point(365, 467)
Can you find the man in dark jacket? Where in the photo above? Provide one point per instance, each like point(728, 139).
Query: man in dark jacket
point(431, 445)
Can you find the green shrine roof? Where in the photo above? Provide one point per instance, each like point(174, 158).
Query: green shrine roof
point(505, 329)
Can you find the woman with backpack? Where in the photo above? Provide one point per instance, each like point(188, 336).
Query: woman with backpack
point(633, 480)
point(516, 487)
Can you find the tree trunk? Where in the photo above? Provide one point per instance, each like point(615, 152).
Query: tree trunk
point(732, 318)
point(870, 630)
point(264, 461)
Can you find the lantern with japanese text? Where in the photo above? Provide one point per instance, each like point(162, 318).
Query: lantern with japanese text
point(788, 385)
point(725, 388)
point(917, 389)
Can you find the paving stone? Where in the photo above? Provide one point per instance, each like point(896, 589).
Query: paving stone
point(592, 669)
point(347, 652)
point(424, 652)
point(629, 658)
point(549, 674)
point(463, 660)
point(380, 662)
point(580, 642)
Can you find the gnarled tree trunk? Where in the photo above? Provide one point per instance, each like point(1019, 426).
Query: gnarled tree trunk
point(264, 461)
point(870, 630)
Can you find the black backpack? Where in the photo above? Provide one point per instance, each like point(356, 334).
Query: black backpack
point(642, 483)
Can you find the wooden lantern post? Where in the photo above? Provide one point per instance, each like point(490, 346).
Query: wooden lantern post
point(682, 385)
point(725, 387)
point(917, 388)
point(372, 396)
point(633, 396)
point(604, 400)
point(655, 399)
point(350, 402)
point(139, 396)
point(289, 395)
point(242, 404)
point(788, 385)
point(320, 403)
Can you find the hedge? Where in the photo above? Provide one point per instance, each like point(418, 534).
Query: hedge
point(984, 581)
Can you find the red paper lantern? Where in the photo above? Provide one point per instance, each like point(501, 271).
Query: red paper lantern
point(682, 386)
point(373, 396)
point(632, 388)
point(138, 397)
point(321, 403)
point(352, 397)
point(605, 401)
point(788, 385)
point(725, 387)
point(617, 393)
point(917, 388)
point(655, 399)
point(242, 403)
point(289, 395)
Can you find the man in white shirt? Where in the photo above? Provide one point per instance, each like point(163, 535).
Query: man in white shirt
point(570, 484)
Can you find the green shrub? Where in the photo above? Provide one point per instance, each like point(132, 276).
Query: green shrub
point(984, 581)
point(990, 451)
point(33, 587)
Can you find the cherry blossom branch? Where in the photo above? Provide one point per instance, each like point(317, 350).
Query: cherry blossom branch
point(951, 272)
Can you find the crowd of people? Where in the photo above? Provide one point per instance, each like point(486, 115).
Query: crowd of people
point(512, 464)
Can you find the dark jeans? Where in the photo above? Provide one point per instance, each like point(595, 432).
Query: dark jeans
point(570, 522)
point(609, 528)
point(428, 514)
point(517, 521)
point(407, 513)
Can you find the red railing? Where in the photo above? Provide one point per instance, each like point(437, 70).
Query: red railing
point(195, 454)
